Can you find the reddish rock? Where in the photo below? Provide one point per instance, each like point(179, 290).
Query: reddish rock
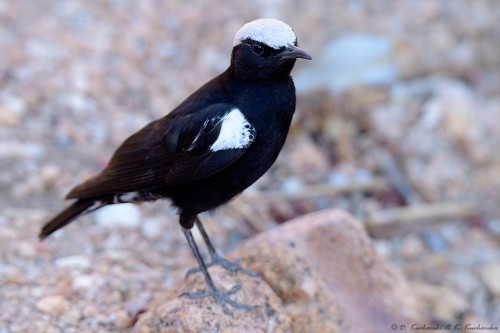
point(321, 273)
point(173, 312)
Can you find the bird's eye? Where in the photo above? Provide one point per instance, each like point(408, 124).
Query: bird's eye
point(257, 49)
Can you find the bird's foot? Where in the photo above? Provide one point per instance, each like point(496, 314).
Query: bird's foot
point(233, 266)
point(229, 265)
point(222, 298)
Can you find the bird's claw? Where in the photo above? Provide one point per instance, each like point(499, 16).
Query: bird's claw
point(222, 298)
point(194, 270)
point(229, 265)
point(233, 266)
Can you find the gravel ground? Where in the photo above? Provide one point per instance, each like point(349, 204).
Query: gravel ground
point(78, 77)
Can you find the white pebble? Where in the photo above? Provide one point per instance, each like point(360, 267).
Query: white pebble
point(76, 261)
point(293, 185)
point(52, 304)
point(85, 281)
point(121, 215)
point(152, 227)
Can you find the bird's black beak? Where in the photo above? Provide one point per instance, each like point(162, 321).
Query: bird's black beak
point(294, 52)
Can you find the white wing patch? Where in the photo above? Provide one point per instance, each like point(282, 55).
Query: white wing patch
point(235, 133)
point(273, 33)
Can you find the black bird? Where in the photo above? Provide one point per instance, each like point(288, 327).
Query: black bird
point(210, 148)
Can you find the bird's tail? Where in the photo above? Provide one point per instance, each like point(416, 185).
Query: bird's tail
point(81, 206)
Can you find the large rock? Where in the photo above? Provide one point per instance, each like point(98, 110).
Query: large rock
point(173, 312)
point(320, 274)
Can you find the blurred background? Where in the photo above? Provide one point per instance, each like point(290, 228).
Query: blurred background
point(398, 122)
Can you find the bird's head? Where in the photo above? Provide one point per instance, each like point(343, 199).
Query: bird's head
point(265, 49)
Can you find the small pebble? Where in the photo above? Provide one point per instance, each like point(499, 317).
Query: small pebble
point(435, 241)
point(21, 150)
point(75, 261)
point(122, 319)
point(26, 249)
point(53, 305)
point(490, 275)
point(447, 304)
point(70, 317)
point(152, 227)
point(412, 247)
point(292, 185)
point(85, 281)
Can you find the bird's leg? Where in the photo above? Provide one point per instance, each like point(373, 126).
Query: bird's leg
point(217, 259)
point(222, 298)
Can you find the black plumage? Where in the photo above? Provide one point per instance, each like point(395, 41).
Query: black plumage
point(211, 147)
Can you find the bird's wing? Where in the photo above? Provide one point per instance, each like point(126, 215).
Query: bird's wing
point(173, 150)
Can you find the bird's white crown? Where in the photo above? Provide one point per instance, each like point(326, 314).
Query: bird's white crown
point(271, 32)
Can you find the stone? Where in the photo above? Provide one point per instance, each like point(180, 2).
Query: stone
point(54, 304)
point(446, 304)
point(75, 261)
point(357, 291)
point(173, 312)
point(309, 161)
point(26, 249)
point(123, 215)
point(12, 109)
point(490, 275)
point(320, 272)
point(8, 118)
point(152, 227)
point(21, 150)
point(71, 317)
point(412, 247)
point(122, 319)
point(85, 281)
point(12, 275)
